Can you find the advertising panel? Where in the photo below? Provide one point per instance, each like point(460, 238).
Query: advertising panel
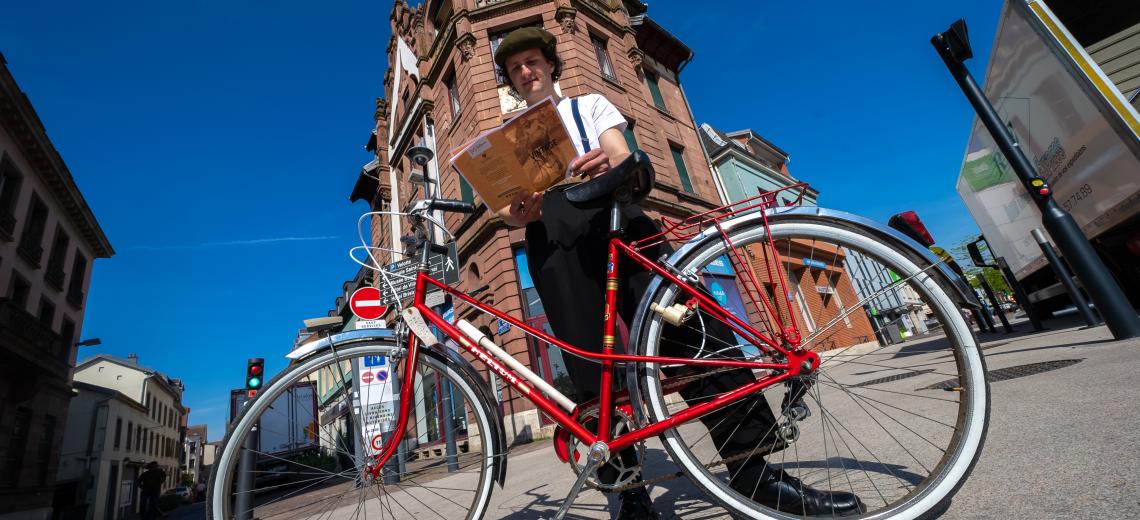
point(1071, 123)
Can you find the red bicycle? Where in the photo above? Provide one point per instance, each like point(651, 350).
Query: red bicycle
point(898, 418)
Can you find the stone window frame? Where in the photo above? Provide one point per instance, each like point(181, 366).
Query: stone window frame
point(600, 45)
point(678, 153)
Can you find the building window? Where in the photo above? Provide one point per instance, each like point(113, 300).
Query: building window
point(21, 291)
point(31, 243)
point(10, 181)
point(43, 451)
point(655, 90)
point(139, 438)
point(682, 171)
point(452, 93)
point(630, 139)
point(54, 274)
point(78, 276)
point(604, 64)
point(13, 458)
point(119, 432)
point(68, 333)
point(465, 191)
point(130, 432)
point(47, 312)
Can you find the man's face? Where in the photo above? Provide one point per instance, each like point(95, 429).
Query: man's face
point(529, 72)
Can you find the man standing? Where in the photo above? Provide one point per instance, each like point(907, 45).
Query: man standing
point(150, 483)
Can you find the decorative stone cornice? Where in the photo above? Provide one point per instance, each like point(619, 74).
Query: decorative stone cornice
point(566, 18)
point(19, 120)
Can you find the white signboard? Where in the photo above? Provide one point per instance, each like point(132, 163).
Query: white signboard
point(1088, 156)
point(371, 324)
point(377, 405)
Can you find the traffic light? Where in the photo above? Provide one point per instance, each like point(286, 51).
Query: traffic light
point(254, 376)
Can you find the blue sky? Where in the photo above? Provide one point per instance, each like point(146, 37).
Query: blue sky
point(217, 143)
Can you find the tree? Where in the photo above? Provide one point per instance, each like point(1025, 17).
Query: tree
point(993, 276)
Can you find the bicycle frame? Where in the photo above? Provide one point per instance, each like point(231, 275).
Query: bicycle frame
point(796, 359)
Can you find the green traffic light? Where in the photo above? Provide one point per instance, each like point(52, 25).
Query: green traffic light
point(254, 382)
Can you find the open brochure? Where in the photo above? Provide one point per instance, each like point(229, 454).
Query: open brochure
point(529, 153)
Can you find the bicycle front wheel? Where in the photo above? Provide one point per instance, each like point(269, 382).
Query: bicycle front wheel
point(897, 412)
point(307, 457)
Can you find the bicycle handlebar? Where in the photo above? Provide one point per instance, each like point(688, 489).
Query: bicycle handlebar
point(457, 206)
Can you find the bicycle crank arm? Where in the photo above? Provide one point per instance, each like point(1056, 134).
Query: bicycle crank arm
point(599, 453)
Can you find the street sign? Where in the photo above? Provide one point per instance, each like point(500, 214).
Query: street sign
point(504, 326)
point(366, 377)
point(814, 263)
point(401, 275)
point(366, 303)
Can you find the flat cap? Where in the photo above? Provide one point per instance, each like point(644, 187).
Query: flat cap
point(521, 40)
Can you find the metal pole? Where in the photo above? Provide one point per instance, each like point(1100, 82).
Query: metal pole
point(1066, 277)
point(984, 312)
point(395, 466)
point(356, 416)
point(449, 429)
point(953, 46)
point(1019, 291)
point(994, 302)
point(246, 466)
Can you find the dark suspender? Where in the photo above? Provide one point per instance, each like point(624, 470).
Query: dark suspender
point(581, 127)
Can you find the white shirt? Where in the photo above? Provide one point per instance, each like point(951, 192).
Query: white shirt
point(598, 115)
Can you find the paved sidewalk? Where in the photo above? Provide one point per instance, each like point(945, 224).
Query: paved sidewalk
point(1062, 443)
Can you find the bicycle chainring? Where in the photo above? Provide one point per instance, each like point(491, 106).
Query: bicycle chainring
point(627, 471)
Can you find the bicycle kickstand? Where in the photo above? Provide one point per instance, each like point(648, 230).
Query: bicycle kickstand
point(599, 453)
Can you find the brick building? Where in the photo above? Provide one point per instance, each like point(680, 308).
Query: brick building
point(745, 165)
point(442, 89)
point(49, 239)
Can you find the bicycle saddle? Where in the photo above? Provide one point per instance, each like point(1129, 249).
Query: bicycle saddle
point(628, 182)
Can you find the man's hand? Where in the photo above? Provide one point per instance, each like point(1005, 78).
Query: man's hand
point(593, 163)
point(524, 209)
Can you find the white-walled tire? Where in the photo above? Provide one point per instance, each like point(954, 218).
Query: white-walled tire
point(427, 488)
point(900, 425)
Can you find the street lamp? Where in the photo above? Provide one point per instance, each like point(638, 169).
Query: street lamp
point(91, 342)
point(954, 48)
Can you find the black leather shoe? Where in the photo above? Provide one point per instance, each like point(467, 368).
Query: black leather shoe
point(636, 505)
point(783, 492)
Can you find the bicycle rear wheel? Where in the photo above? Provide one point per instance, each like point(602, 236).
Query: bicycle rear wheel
point(315, 465)
point(898, 410)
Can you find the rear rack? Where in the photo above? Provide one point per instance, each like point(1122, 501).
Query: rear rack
point(674, 231)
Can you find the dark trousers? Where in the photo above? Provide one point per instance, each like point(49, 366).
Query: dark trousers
point(566, 251)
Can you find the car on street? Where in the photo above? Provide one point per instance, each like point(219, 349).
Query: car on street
point(182, 492)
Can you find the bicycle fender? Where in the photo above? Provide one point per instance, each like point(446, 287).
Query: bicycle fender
point(959, 290)
point(343, 339)
point(498, 437)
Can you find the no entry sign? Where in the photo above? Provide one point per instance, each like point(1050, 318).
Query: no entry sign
point(365, 303)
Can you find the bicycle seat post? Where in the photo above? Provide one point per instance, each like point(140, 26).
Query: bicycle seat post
point(621, 197)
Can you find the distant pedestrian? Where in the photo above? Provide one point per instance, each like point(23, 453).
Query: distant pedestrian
point(150, 483)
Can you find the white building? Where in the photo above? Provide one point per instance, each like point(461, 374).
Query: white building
point(194, 453)
point(124, 417)
point(101, 451)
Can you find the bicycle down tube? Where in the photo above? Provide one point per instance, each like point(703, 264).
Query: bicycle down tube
point(790, 368)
